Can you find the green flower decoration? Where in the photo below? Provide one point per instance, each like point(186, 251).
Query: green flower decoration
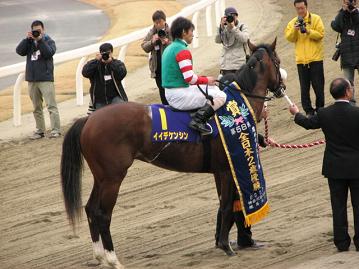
point(244, 110)
point(227, 121)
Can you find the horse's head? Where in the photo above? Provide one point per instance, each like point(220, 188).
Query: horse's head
point(265, 62)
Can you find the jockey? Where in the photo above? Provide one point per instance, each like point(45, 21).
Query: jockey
point(181, 83)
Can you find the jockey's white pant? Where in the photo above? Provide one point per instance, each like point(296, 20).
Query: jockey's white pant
point(192, 98)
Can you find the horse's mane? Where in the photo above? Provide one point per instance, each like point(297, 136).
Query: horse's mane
point(246, 76)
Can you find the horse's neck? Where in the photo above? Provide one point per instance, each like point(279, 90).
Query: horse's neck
point(257, 104)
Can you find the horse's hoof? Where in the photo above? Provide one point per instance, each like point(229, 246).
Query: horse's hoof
point(227, 249)
point(112, 261)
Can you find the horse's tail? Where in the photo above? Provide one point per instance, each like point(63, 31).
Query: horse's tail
point(71, 170)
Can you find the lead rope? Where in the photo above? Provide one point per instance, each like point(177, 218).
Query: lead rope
point(287, 146)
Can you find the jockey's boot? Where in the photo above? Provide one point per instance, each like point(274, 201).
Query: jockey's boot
point(200, 119)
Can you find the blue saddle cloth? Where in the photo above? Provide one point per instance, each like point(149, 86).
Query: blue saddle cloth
point(170, 126)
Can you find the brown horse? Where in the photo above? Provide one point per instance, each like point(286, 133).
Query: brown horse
point(113, 137)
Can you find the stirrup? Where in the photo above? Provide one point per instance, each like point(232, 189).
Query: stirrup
point(202, 131)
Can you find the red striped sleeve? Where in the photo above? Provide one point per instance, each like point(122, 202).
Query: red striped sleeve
point(184, 60)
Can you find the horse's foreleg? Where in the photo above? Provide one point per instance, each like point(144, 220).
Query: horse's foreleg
point(91, 208)
point(217, 177)
point(226, 209)
point(108, 196)
point(244, 234)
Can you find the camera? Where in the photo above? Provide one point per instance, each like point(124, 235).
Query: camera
point(161, 33)
point(105, 56)
point(351, 5)
point(230, 18)
point(336, 54)
point(301, 23)
point(35, 33)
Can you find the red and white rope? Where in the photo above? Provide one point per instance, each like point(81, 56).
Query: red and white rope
point(288, 146)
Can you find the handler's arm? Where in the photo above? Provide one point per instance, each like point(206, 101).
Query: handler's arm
point(307, 123)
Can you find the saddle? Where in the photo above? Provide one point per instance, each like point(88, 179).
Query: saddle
point(171, 125)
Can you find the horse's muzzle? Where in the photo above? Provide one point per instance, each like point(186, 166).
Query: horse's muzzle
point(280, 91)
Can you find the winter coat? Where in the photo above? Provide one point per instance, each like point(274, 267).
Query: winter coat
point(148, 47)
point(39, 61)
point(101, 90)
point(233, 55)
point(308, 46)
point(347, 25)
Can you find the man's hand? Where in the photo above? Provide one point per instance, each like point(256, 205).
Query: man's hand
point(155, 37)
point(293, 109)
point(98, 56)
point(211, 81)
point(39, 37)
point(29, 35)
point(223, 22)
point(165, 41)
point(296, 26)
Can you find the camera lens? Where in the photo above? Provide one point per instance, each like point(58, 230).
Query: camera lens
point(105, 56)
point(35, 33)
point(161, 33)
point(230, 18)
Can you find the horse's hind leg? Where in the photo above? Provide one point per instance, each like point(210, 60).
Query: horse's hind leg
point(226, 208)
point(108, 196)
point(218, 180)
point(91, 208)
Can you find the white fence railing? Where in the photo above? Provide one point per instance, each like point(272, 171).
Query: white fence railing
point(120, 42)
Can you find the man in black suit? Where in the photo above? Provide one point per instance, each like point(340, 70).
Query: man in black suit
point(340, 125)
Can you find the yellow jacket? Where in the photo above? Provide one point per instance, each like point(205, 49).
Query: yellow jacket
point(309, 46)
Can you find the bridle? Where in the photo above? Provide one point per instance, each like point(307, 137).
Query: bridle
point(278, 90)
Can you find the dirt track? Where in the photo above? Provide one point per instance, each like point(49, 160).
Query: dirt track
point(166, 219)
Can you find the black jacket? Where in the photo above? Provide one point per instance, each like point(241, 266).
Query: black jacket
point(101, 90)
point(347, 25)
point(41, 69)
point(340, 125)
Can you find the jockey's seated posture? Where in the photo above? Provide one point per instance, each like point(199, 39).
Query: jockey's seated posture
point(180, 82)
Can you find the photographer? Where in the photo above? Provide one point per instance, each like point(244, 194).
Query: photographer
point(233, 35)
point(346, 23)
point(105, 74)
point(157, 39)
point(39, 49)
point(307, 32)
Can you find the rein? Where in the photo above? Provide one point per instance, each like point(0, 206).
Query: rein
point(246, 93)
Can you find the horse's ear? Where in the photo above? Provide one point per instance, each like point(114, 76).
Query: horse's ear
point(274, 44)
point(251, 46)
